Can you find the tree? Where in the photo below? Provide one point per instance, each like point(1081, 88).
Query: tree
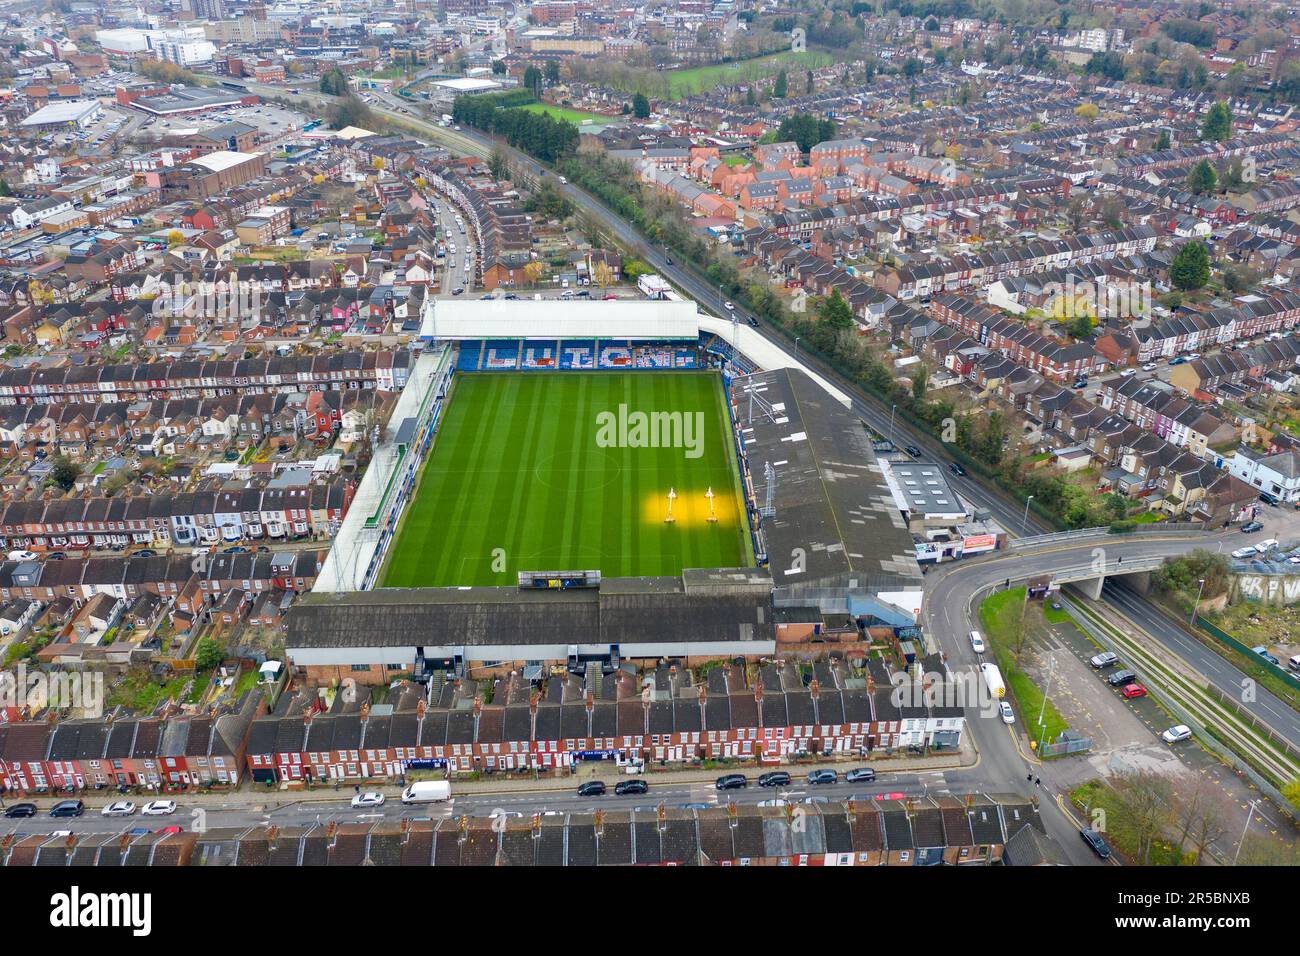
point(1202, 179)
point(534, 272)
point(208, 654)
point(350, 111)
point(499, 164)
point(1217, 125)
point(1088, 111)
point(1190, 268)
point(552, 71)
point(1146, 802)
point(334, 82)
point(64, 472)
point(806, 130)
point(1162, 141)
point(533, 79)
point(5, 189)
point(1080, 327)
point(640, 106)
point(781, 87)
point(835, 312)
point(499, 67)
point(920, 380)
point(808, 89)
point(602, 275)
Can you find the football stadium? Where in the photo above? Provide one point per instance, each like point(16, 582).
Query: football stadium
point(582, 483)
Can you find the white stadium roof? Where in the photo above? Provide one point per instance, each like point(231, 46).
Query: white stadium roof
point(562, 319)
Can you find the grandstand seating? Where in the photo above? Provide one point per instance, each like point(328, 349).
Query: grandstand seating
point(509, 354)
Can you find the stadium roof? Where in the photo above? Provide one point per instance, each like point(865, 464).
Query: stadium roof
point(468, 85)
point(833, 507)
point(569, 319)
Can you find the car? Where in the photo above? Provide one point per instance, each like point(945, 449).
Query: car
point(120, 808)
point(1149, 367)
point(729, 306)
point(368, 799)
point(860, 775)
point(774, 778)
point(20, 810)
point(977, 642)
point(159, 808)
point(563, 181)
point(1120, 678)
point(624, 787)
point(1247, 552)
point(68, 808)
point(55, 556)
point(1176, 733)
point(957, 469)
point(1268, 499)
point(1104, 659)
point(1006, 713)
point(1094, 840)
point(912, 450)
point(1080, 383)
point(775, 802)
point(171, 829)
point(1125, 373)
point(1133, 691)
point(1266, 545)
point(752, 321)
point(144, 553)
point(823, 776)
point(592, 788)
point(1177, 360)
point(1262, 651)
point(459, 290)
point(235, 550)
point(1250, 527)
point(731, 781)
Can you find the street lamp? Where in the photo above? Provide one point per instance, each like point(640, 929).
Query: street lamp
point(1201, 590)
point(892, 409)
point(796, 348)
point(1250, 815)
point(1024, 522)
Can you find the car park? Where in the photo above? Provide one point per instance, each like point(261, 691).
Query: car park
point(592, 788)
point(860, 775)
point(625, 787)
point(1133, 691)
point(731, 781)
point(823, 776)
point(1095, 841)
point(774, 778)
point(1176, 733)
point(119, 808)
point(1104, 659)
point(368, 799)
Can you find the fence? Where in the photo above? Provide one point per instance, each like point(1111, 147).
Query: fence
point(1070, 745)
point(1158, 529)
point(1223, 637)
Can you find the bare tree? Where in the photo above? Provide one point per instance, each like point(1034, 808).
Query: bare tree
point(1200, 816)
point(1146, 801)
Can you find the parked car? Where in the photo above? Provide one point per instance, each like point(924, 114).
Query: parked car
point(823, 776)
point(592, 788)
point(1104, 659)
point(1247, 552)
point(630, 786)
point(235, 550)
point(1176, 733)
point(1266, 545)
point(1094, 840)
point(159, 808)
point(912, 450)
point(120, 808)
point(170, 830)
point(1121, 678)
point(1262, 651)
point(68, 808)
point(860, 775)
point(1268, 499)
point(20, 810)
point(1006, 713)
point(957, 469)
point(774, 778)
point(1133, 691)
point(1250, 527)
point(1149, 367)
point(368, 799)
point(144, 553)
point(731, 781)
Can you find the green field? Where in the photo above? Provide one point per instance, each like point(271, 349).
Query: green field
point(701, 78)
point(576, 117)
point(523, 476)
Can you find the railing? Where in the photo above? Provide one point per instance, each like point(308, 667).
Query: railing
point(1157, 529)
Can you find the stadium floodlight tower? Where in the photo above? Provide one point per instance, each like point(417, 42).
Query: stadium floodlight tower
point(769, 498)
point(709, 494)
point(671, 495)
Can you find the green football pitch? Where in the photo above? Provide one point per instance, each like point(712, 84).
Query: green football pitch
point(572, 471)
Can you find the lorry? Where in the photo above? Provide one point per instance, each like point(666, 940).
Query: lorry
point(427, 791)
point(993, 680)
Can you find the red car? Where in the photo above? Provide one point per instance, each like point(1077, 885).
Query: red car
point(172, 829)
point(1133, 690)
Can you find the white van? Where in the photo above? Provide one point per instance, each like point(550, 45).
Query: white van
point(1294, 663)
point(22, 555)
point(427, 791)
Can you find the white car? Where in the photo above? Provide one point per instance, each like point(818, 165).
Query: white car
point(1149, 367)
point(368, 799)
point(159, 808)
point(1008, 716)
point(1176, 733)
point(1267, 545)
point(977, 642)
point(1243, 552)
point(729, 306)
point(122, 808)
point(1127, 372)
